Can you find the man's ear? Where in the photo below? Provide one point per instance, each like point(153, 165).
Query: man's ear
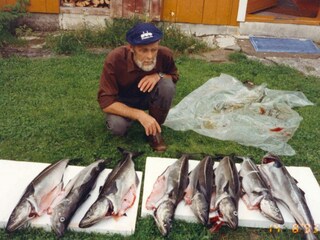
point(131, 48)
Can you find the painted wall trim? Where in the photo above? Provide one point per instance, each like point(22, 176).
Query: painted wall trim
point(242, 10)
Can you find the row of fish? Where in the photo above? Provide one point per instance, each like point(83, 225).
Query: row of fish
point(213, 193)
point(46, 194)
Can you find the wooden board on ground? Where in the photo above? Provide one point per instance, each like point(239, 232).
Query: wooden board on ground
point(15, 177)
point(247, 218)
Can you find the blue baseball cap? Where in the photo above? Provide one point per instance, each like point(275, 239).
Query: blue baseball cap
point(143, 34)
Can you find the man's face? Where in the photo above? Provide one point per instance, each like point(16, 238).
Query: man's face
point(145, 56)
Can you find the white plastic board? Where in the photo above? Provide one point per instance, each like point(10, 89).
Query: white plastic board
point(247, 218)
point(15, 177)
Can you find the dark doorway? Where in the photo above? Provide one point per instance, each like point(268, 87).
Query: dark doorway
point(285, 8)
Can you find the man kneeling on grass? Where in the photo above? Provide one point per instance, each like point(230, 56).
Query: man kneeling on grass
point(137, 77)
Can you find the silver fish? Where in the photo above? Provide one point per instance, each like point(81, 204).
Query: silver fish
point(199, 191)
point(38, 195)
point(256, 193)
point(167, 192)
point(284, 188)
point(117, 194)
point(227, 194)
point(77, 191)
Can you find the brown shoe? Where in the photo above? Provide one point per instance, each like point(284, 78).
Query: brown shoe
point(157, 143)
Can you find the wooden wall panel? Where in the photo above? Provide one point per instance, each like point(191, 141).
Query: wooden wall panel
point(234, 13)
point(116, 8)
point(38, 6)
point(190, 11)
point(210, 11)
point(7, 2)
point(128, 8)
point(216, 12)
point(155, 9)
point(169, 10)
point(53, 6)
point(220, 12)
point(224, 10)
point(141, 7)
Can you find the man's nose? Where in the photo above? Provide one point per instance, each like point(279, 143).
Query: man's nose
point(149, 55)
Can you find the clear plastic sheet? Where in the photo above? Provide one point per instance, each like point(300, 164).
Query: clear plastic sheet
point(224, 108)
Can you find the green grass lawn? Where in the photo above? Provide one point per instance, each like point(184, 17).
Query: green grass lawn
point(49, 112)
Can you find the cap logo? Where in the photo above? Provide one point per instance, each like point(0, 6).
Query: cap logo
point(146, 35)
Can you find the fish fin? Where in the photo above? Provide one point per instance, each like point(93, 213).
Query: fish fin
point(295, 180)
point(100, 189)
point(137, 180)
point(75, 161)
point(113, 188)
point(125, 152)
point(86, 197)
point(226, 187)
point(218, 157)
point(200, 187)
point(302, 192)
point(170, 194)
point(240, 177)
point(242, 192)
point(237, 159)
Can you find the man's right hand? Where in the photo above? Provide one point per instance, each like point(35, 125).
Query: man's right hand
point(150, 124)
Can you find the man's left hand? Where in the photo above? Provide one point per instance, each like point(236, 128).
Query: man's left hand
point(148, 82)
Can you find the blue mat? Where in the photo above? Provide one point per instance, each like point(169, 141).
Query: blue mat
point(265, 44)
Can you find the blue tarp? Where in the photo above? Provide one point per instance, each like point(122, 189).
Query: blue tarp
point(289, 45)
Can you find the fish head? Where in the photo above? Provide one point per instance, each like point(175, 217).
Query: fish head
point(270, 210)
point(229, 212)
point(99, 209)
point(272, 159)
point(60, 219)
point(22, 213)
point(163, 216)
point(200, 208)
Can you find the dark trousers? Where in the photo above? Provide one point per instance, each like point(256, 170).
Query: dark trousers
point(158, 102)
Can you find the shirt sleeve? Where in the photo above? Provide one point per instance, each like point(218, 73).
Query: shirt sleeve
point(108, 87)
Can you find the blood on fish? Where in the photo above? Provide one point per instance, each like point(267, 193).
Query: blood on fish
point(262, 111)
point(277, 129)
point(216, 223)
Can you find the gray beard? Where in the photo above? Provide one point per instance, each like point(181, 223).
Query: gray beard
point(145, 68)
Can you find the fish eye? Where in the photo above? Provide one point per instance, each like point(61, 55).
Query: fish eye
point(32, 215)
point(62, 219)
point(235, 213)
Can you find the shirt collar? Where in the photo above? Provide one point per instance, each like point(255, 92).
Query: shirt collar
point(130, 63)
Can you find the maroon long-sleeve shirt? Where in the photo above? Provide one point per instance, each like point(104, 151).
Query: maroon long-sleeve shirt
point(120, 75)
